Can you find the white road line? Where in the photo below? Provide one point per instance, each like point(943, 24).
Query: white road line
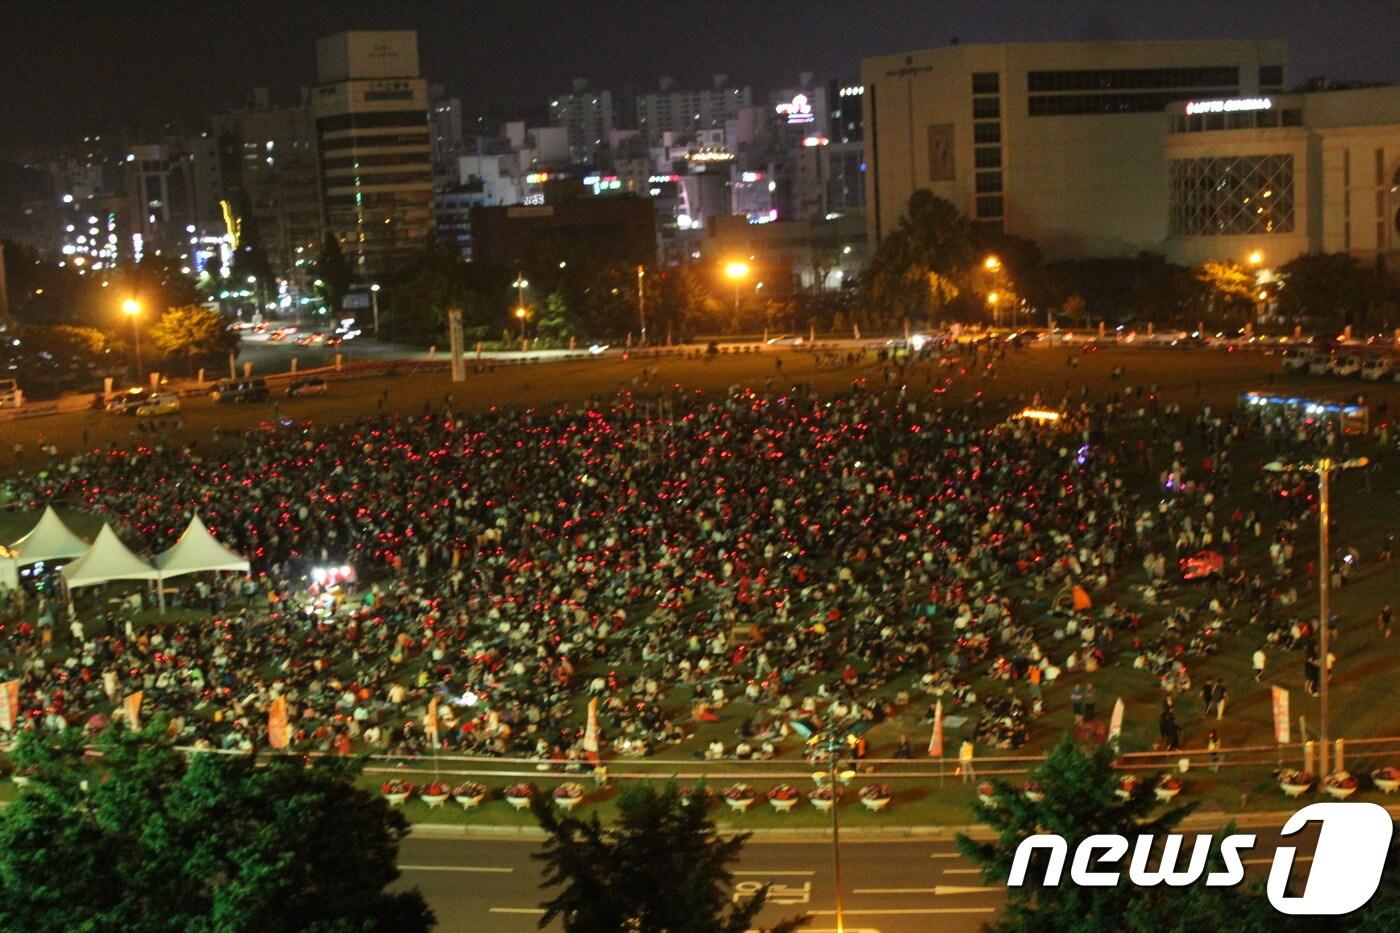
point(536, 911)
point(906, 911)
point(1269, 861)
point(953, 889)
point(962, 871)
point(946, 855)
point(481, 870)
point(895, 891)
point(775, 874)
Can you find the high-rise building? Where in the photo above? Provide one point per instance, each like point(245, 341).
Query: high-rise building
point(1058, 142)
point(268, 166)
point(587, 115)
point(371, 111)
point(667, 110)
point(846, 121)
point(445, 126)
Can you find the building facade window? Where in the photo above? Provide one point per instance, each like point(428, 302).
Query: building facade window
point(989, 206)
point(986, 133)
point(1123, 79)
point(1230, 196)
point(986, 108)
point(988, 182)
point(1065, 105)
point(986, 82)
point(987, 157)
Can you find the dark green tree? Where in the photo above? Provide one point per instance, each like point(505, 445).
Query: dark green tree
point(333, 272)
point(1081, 799)
point(681, 306)
point(147, 839)
point(1328, 290)
point(250, 258)
point(922, 265)
point(659, 868)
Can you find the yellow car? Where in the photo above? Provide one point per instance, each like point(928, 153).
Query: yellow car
point(163, 404)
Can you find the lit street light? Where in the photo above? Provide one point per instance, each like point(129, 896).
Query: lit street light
point(374, 303)
point(736, 271)
point(1256, 258)
point(132, 309)
point(991, 264)
point(521, 313)
point(1324, 468)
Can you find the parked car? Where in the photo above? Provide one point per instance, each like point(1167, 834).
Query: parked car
point(241, 390)
point(1376, 368)
point(1320, 364)
point(306, 385)
point(1346, 366)
point(125, 403)
point(159, 403)
point(1296, 361)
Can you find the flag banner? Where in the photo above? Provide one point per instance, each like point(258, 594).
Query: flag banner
point(9, 704)
point(430, 722)
point(132, 705)
point(935, 741)
point(1115, 723)
point(1081, 599)
point(277, 723)
point(590, 733)
point(1281, 724)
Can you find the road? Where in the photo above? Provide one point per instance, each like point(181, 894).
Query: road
point(891, 885)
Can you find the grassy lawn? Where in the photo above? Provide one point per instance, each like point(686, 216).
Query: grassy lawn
point(1361, 694)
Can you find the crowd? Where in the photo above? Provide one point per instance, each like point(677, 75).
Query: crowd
point(819, 559)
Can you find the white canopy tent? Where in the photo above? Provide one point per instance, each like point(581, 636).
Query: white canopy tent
point(49, 540)
point(198, 551)
point(108, 559)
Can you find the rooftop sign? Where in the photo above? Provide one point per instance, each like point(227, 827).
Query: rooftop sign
point(1229, 106)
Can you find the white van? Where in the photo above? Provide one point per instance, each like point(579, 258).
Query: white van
point(1376, 368)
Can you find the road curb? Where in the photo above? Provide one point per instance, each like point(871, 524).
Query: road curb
point(862, 834)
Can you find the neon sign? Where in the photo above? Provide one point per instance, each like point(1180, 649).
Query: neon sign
point(1229, 106)
point(797, 110)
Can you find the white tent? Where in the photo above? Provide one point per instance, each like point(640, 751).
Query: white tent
point(198, 551)
point(107, 559)
point(49, 540)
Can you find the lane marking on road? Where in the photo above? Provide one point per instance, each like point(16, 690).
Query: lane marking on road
point(962, 871)
point(476, 869)
point(905, 912)
point(536, 911)
point(775, 874)
point(1269, 861)
point(894, 891)
point(946, 855)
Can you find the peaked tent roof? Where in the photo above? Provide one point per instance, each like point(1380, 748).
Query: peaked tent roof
point(107, 559)
point(197, 551)
point(50, 539)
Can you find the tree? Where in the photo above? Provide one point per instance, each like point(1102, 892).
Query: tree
point(194, 333)
point(147, 839)
point(1081, 799)
point(1231, 288)
point(682, 307)
point(333, 272)
point(1327, 289)
point(932, 244)
point(660, 868)
point(555, 322)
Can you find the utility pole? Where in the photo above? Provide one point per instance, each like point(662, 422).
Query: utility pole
point(1324, 597)
point(833, 746)
point(642, 300)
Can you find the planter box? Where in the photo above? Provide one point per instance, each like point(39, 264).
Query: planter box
point(739, 806)
point(1341, 793)
point(876, 804)
point(468, 802)
point(519, 803)
point(434, 800)
point(782, 806)
point(396, 800)
point(822, 804)
point(567, 803)
point(1386, 785)
point(1295, 790)
point(1166, 793)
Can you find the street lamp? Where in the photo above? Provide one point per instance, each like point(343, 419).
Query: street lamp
point(132, 309)
point(991, 264)
point(1256, 258)
point(736, 271)
point(834, 743)
point(374, 303)
point(521, 313)
point(1324, 468)
point(994, 302)
point(641, 301)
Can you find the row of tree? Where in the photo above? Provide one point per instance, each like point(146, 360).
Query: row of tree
point(935, 266)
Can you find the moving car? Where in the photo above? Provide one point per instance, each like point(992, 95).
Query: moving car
point(159, 403)
point(306, 385)
point(241, 390)
point(1376, 368)
point(124, 403)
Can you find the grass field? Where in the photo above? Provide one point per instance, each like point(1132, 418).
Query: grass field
point(1361, 695)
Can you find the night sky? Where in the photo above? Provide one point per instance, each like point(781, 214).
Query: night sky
point(69, 69)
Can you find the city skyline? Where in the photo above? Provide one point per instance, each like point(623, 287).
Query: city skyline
point(140, 73)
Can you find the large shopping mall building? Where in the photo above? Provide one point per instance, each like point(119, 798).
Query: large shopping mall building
point(1191, 149)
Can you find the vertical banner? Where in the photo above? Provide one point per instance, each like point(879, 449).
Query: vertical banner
point(1115, 724)
point(132, 705)
point(590, 732)
point(430, 722)
point(277, 723)
point(454, 337)
point(935, 741)
point(9, 704)
point(1281, 723)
